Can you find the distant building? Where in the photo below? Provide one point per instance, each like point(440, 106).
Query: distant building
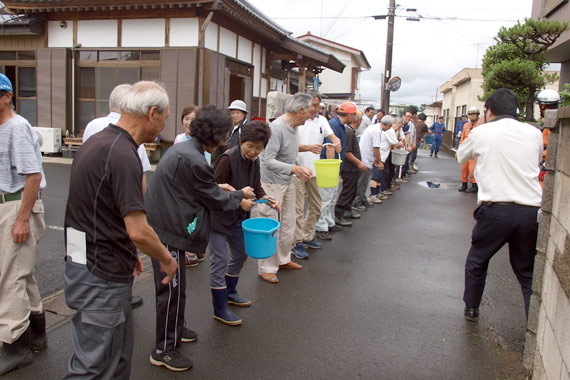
point(336, 85)
point(432, 112)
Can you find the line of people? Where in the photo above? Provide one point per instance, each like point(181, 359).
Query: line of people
point(204, 186)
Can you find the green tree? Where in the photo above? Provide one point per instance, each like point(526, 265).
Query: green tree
point(408, 107)
point(517, 60)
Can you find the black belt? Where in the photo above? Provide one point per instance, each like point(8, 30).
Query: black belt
point(506, 204)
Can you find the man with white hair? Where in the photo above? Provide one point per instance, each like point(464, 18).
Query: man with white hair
point(370, 143)
point(97, 125)
point(105, 223)
point(277, 171)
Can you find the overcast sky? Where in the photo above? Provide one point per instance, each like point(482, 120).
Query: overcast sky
point(426, 54)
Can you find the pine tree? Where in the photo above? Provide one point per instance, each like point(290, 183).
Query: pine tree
point(517, 60)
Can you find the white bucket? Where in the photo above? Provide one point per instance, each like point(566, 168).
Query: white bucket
point(399, 157)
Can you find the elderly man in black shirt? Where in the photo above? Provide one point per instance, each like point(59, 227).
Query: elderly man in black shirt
point(105, 222)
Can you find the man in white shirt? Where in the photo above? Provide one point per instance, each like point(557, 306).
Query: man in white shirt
point(97, 125)
point(391, 138)
point(310, 136)
point(508, 154)
point(370, 143)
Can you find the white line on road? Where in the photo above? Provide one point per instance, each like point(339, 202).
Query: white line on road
point(58, 228)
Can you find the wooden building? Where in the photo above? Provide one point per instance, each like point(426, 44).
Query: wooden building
point(340, 85)
point(65, 56)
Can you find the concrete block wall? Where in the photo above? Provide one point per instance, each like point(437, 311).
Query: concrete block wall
point(547, 348)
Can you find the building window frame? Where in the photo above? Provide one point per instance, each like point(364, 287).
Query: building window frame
point(103, 72)
point(22, 59)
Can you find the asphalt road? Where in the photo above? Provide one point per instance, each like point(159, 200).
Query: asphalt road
point(381, 301)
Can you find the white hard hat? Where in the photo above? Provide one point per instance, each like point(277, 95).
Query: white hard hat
point(238, 105)
point(473, 109)
point(548, 97)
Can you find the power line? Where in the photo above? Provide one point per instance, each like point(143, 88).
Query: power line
point(328, 28)
point(438, 18)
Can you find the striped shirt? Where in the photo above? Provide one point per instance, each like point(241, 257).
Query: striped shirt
point(19, 155)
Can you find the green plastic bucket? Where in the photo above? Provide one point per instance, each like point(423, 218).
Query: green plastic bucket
point(327, 172)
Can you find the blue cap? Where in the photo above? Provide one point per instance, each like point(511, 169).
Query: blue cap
point(5, 83)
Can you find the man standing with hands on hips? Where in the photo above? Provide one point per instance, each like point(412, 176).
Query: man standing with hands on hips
point(22, 320)
point(508, 206)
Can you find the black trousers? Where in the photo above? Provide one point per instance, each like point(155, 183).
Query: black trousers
point(387, 174)
point(170, 303)
point(348, 193)
point(498, 224)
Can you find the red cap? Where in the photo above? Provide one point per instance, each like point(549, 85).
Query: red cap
point(347, 107)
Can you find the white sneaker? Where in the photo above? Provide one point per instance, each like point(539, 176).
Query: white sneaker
point(373, 199)
point(416, 168)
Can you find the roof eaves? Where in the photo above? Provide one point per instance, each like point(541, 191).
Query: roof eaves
point(332, 62)
point(260, 16)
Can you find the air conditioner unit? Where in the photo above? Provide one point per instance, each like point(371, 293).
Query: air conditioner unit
point(50, 139)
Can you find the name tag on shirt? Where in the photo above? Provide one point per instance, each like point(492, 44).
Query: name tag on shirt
point(76, 246)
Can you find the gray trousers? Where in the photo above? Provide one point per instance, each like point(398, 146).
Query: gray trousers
point(102, 329)
point(363, 184)
point(219, 263)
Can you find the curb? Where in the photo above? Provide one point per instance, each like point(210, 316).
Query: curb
point(57, 312)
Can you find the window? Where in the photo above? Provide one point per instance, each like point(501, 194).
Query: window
point(99, 71)
point(464, 109)
point(20, 68)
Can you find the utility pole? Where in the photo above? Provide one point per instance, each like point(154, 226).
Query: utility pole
point(388, 64)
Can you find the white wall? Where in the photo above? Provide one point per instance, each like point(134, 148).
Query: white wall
point(256, 69)
point(143, 33)
point(59, 37)
point(334, 82)
point(97, 33)
point(228, 42)
point(184, 31)
point(244, 49)
point(263, 54)
point(211, 37)
point(263, 92)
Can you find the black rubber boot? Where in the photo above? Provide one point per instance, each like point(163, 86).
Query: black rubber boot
point(472, 189)
point(17, 354)
point(222, 312)
point(463, 186)
point(233, 296)
point(38, 331)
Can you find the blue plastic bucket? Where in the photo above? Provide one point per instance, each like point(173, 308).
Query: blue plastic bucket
point(260, 235)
